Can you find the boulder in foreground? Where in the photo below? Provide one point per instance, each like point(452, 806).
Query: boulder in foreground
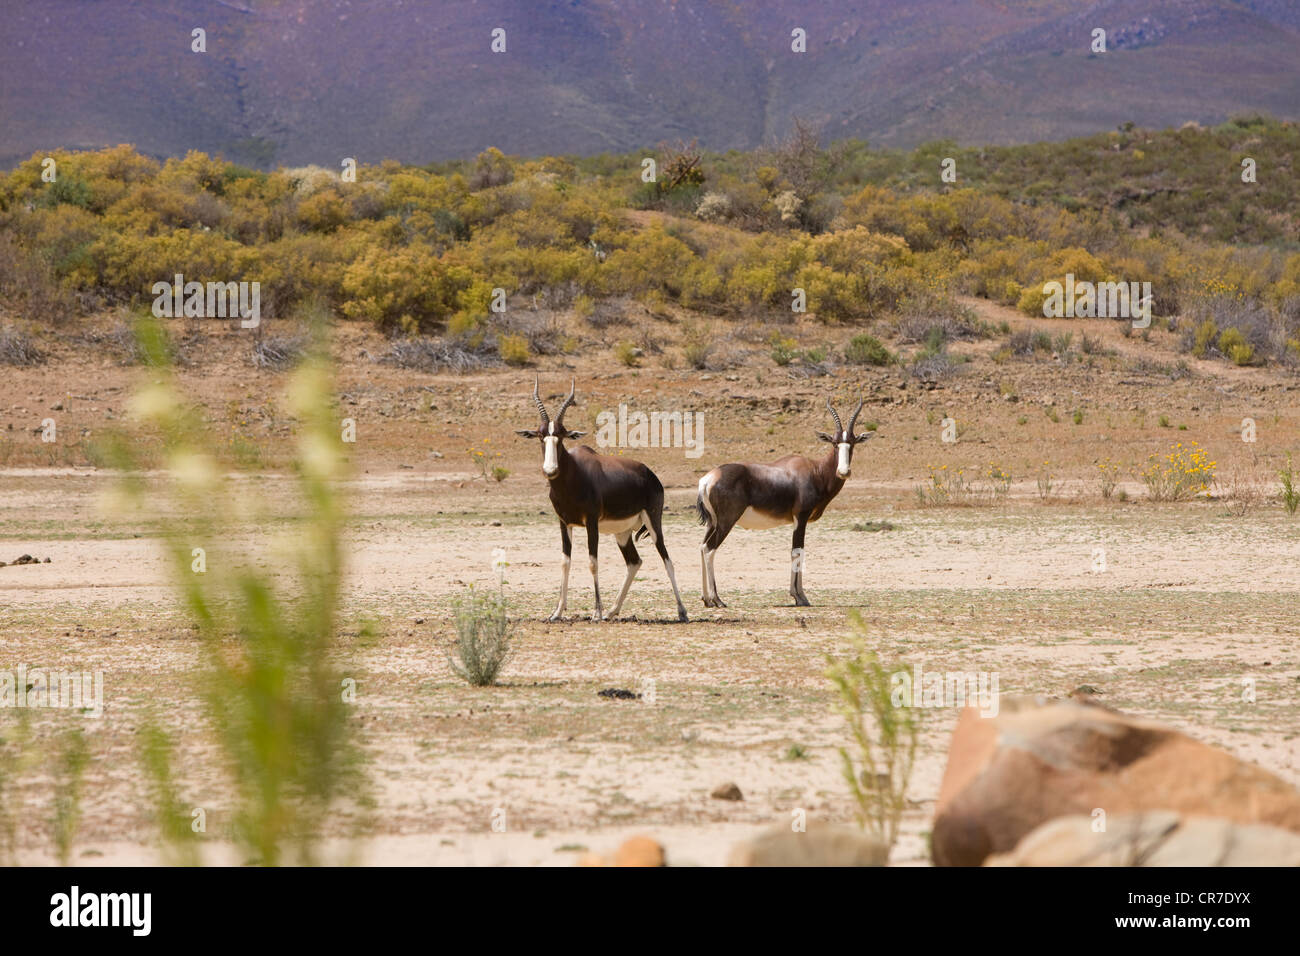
point(1160, 838)
point(634, 851)
point(1038, 760)
point(820, 845)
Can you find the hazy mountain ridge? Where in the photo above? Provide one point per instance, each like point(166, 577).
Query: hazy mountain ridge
point(296, 82)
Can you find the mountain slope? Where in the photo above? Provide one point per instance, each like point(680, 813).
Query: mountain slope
point(291, 81)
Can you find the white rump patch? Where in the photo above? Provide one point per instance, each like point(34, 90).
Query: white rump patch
point(706, 486)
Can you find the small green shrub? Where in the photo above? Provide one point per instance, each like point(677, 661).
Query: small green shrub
point(514, 349)
point(483, 637)
point(783, 349)
point(1290, 493)
point(866, 349)
point(697, 347)
point(628, 354)
point(1204, 338)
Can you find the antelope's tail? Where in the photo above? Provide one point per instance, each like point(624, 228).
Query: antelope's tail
point(703, 510)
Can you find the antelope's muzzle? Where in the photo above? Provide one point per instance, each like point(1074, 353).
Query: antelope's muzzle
point(551, 458)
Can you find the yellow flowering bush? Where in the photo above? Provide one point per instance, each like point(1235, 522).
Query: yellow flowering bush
point(1186, 471)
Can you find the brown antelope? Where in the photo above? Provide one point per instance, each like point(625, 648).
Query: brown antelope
point(791, 490)
point(605, 495)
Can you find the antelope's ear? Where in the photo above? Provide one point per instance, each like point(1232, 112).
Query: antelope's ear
point(528, 434)
point(825, 437)
point(863, 437)
point(573, 436)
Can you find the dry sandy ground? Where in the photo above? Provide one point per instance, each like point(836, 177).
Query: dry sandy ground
point(1192, 602)
point(1194, 599)
point(404, 546)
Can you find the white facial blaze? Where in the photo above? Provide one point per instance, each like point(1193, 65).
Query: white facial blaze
point(551, 461)
point(843, 468)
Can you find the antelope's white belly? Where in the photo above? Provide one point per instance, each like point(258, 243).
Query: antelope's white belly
point(757, 520)
point(618, 525)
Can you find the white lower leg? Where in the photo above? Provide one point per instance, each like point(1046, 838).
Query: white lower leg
point(627, 583)
point(704, 573)
point(672, 579)
point(564, 588)
point(796, 570)
point(713, 580)
point(595, 587)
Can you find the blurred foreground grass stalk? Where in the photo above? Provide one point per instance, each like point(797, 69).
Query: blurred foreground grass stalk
point(266, 615)
point(867, 701)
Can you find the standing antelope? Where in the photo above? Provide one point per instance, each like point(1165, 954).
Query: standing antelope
point(792, 490)
point(605, 495)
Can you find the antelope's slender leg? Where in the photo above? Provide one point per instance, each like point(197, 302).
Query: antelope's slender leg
point(655, 523)
point(717, 533)
point(567, 543)
point(704, 574)
point(713, 581)
point(593, 545)
point(626, 545)
point(796, 562)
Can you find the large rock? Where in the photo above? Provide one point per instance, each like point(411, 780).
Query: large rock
point(820, 845)
point(636, 851)
point(640, 851)
point(1039, 760)
point(1159, 838)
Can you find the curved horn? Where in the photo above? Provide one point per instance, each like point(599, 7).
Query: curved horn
point(834, 415)
point(559, 416)
point(853, 420)
point(546, 419)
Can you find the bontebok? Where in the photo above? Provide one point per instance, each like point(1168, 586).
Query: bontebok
point(603, 494)
point(792, 490)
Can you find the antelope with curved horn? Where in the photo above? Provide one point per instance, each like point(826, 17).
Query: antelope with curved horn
point(605, 495)
point(792, 490)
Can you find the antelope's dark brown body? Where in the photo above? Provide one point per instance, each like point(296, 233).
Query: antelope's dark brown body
point(601, 494)
point(782, 490)
point(791, 490)
point(618, 488)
